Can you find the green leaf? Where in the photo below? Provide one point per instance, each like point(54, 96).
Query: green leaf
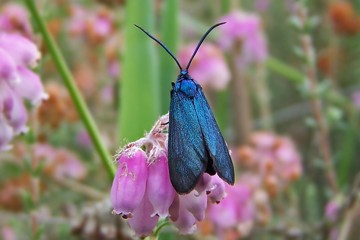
point(139, 86)
point(170, 37)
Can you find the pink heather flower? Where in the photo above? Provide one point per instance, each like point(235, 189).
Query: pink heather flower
point(243, 30)
point(17, 82)
point(333, 208)
point(129, 184)
point(160, 191)
point(183, 219)
point(236, 210)
point(114, 68)
point(6, 134)
point(94, 25)
point(208, 67)
point(143, 220)
point(194, 203)
point(30, 87)
point(7, 233)
point(13, 109)
point(142, 189)
point(274, 158)
point(216, 191)
point(77, 24)
point(15, 19)
point(59, 163)
point(8, 70)
point(83, 139)
point(100, 25)
point(22, 50)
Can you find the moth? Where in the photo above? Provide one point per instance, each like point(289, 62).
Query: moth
point(195, 143)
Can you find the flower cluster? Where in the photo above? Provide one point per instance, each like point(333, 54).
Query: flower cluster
point(95, 26)
point(209, 67)
point(243, 34)
point(142, 191)
point(55, 162)
point(236, 211)
point(273, 158)
point(269, 163)
point(17, 82)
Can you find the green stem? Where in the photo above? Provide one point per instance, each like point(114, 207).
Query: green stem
point(74, 92)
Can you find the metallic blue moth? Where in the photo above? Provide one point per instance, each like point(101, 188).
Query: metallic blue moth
point(195, 143)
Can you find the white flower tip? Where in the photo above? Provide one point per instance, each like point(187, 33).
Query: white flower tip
point(43, 97)
point(22, 130)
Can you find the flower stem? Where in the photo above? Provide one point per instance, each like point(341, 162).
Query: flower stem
point(316, 103)
point(73, 90)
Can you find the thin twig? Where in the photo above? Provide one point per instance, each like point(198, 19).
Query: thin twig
point(316, 103)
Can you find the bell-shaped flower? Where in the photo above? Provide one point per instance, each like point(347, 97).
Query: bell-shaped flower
point(142, 220)
point(159, 189)
point(7, 68)
point(216, 191)
point(195, 204)
point(236, 208)
point(181, 217)
point(14, 109)
point(128, 188)
point(6, 134)
point(23, 51)
point(30, 86)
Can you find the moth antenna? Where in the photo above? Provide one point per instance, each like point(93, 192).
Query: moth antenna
point(201, 41)
point(161, 44)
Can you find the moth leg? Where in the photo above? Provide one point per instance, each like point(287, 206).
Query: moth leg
point(163, 124)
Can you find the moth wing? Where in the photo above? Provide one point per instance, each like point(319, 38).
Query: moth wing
point(214, 141)
point(187, 153)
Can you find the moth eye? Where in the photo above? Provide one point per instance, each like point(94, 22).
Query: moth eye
point(172, 84)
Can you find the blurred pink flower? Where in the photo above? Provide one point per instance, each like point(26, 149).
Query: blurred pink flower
point(76, 24)
point(333, 208)
point(208, 68)
point(244, 31)
point(59, 163)
point(356, 99)
point(95, 26)
point(7, 233)
point(83, 139)
point(262, 5)
point(142, 191)
point(236, 210)
point(273, 158)
point(15, 19)
point(17, 82)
